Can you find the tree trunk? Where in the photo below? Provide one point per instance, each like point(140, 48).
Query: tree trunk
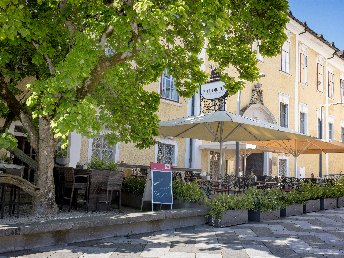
point(44, 203)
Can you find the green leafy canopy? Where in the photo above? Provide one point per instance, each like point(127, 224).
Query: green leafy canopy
point(78, 87)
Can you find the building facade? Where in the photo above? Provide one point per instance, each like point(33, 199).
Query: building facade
point(299, 89)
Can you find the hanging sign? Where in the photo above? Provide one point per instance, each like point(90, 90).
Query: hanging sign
point(213, 90)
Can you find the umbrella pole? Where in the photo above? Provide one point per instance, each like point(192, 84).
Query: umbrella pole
point(295, 167)
point(221, 159)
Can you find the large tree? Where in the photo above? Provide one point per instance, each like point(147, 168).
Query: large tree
point(89, 60)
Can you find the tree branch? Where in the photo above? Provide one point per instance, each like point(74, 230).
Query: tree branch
point(19, 111)
point(47, 59)
point(107, 33)
point(25, 158)
point(104, 64)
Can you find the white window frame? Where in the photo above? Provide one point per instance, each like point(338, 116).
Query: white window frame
point(320, 73)
point(341, 85)
point(173, 89)
point(283, 98)
point(170, 142)
point(285, 57)
point(303, 108)
point(323, 124)
point(255, 48)
point(278, 165)
point(330, 120)
point(330, 84)
point(303, 65)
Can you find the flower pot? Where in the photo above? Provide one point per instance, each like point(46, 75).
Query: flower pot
point(61, 161)
point(311, 206)
point(340, 202)
point(328, 203)
point(292, 210)
point(259, 216)
point(231, 218)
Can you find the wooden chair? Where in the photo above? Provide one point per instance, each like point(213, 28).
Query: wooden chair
point(74, 183)
point(114, 184)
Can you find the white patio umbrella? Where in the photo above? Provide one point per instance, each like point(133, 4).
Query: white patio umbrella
point(223, 126)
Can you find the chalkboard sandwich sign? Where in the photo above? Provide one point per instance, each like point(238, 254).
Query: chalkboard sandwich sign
point(161, 183)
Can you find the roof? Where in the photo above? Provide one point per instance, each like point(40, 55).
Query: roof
point(337, 51)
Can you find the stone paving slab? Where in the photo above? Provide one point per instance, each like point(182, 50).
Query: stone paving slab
point(312, 235)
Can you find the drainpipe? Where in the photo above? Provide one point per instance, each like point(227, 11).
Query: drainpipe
point(237, 146)
point(296, 90)
point(192, 113)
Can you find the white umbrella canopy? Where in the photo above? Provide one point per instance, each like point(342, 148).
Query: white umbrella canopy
point(222, 126)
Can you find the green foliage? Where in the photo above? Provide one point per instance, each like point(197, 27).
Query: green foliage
point(8, 141)
point(187, 191)
point(59, 44)
point(101, 164)
point(224, 202)
point(135, 185)
point(312, 191)
point(292, 197)
point(266, 200)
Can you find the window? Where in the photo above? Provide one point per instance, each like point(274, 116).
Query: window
point(303, 123)
point(282, 167)
point(303, 68)
point(102, 150)
point(166, 153)
point(168, 89)
point(342, 134)
point(342, 90)
point(330, 84)
point(330, 132)
point(320, 77)
point(285, 57)
point(283, 114)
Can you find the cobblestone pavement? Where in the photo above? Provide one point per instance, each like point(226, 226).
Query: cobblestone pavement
point(313, 235)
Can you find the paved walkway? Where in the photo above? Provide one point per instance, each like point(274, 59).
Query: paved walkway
point(313, 235)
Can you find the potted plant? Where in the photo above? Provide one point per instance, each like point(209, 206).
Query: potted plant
point(267, 204)
point(329, 196)
point(132, 191)
point(61, 156)
point(187, 195)
point(311, 193)
point(292, 203)
point(340, 189)
point(229, 210)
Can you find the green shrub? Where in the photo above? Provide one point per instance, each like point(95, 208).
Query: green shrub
point(224, 202)
point(134, 185)
point(266, 200)
point(187, 191)
point(292, 197)
point(311, 191)
point(100, 164)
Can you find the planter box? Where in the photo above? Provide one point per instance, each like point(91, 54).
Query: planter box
point(292, 210)
point(311, 206)
point(131, 200)
point(178, 204)
point(231, 218)
point(340, 202)
point(259, 216)
point(328, 204)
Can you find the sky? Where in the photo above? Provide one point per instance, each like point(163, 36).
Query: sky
point(323, 16)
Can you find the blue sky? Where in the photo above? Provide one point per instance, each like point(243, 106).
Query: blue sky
point(323, 16)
